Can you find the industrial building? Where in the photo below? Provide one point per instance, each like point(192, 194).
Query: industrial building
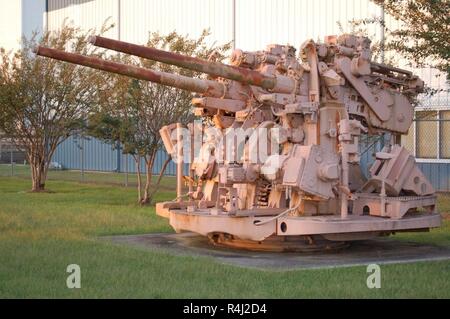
point(250, 25)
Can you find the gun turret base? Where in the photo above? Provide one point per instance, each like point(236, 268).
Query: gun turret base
point(297, 244)
point(263, 231)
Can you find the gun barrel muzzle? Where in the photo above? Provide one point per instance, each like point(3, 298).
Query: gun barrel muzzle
point(212, 68)
point(211, 88)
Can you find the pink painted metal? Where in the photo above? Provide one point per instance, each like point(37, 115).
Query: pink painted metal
point(284, 158)
point(212, 68)
point(182, 82)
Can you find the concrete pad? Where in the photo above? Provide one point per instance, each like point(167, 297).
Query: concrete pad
point(379, 251)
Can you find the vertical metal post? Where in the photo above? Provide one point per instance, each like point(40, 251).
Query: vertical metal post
point(383, 198)
point(119, 13)
point(415, 134)
point(82, 157)
point(126, 170)
point(345, 180)
point(191, 160)
point(438, 134)
point(45, 29)
point(382, 14)
point(179, 161)
point(12, 162)
point(233, 23)
point(118, 168)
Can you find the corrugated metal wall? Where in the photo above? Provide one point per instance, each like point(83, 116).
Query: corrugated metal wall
point(139, 17)
point(261, 22)
point(91, 154)
point(438, 174)
point(257, 23)
point(87, 14)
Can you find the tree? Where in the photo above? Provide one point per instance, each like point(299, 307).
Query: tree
point(43, 101)
point(423, 34)
point(132, 112)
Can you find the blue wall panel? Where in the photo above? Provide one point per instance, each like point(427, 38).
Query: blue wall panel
point(367, 150)
point(438, 174)
point(94, 155)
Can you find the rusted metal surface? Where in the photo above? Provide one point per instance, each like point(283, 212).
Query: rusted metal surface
point(298, 244)
point(241, 229)
point(178, 81)
point(212, 68)
point(205, 224)
point(354, 224)
point(278, 145)
point(379, 106)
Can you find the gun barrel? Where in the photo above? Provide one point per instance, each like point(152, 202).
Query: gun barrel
point(212, 68)
point(208, 87)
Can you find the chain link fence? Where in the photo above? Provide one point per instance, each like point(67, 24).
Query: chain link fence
point(428, 140)
point(429, 136)
point(13, 163)
point(12, 160)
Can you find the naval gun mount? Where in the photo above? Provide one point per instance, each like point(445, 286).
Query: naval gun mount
point(274, 164)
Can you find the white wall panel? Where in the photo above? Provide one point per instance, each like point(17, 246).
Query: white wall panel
point(33, 14)
point(139, 17)
point(261, 22)
point(88, 14)
point(10, 24)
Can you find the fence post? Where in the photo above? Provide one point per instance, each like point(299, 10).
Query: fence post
point(82, 158)
point(118, 158)
point(126, 170)
point(12, 162)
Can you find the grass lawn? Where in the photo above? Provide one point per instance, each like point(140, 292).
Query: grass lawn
point(40, 234)
point(89, 177)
